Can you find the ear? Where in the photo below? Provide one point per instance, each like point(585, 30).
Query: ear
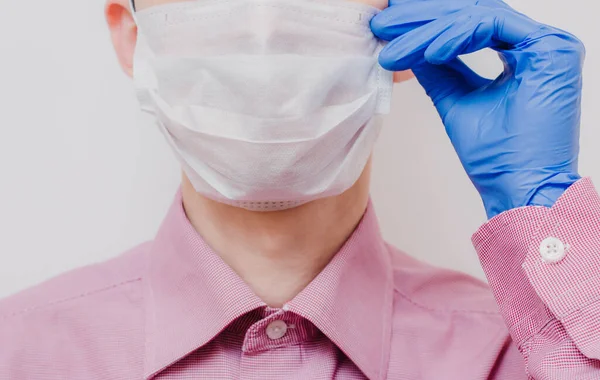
point(402, 76)
point(123, 32)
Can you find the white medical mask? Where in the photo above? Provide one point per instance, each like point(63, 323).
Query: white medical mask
point(267, 104)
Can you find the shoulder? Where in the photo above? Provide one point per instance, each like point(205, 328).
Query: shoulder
point(444, 316)
point(439, 289)
point(75, 284)
point(82, 312)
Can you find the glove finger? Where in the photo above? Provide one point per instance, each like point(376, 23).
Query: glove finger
point(407, 15)
point(467, 35)
point(477, 30)
point(403, 16)
point(469, 30)
point(407, 51)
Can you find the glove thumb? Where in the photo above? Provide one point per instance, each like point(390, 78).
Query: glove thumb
point(447, 83)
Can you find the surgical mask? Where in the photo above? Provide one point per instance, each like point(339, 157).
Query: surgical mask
point(267, 104)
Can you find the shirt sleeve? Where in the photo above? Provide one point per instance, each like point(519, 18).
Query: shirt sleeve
point(543, 266)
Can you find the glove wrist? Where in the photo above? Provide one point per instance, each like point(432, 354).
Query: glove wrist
point(548, 193)
point(530, 191)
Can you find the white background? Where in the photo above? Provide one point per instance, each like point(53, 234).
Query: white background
point(84, 177)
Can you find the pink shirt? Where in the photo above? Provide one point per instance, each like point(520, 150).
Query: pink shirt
point(171, 309)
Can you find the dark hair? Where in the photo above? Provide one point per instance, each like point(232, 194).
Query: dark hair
point(133, 4)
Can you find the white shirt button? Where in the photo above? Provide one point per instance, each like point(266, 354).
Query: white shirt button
point(552, 250)
point(276, 329)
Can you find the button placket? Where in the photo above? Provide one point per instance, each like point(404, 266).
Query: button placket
point(257, 337)
point(276, 329)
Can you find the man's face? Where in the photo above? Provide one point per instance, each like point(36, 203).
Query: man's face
point(142, 4)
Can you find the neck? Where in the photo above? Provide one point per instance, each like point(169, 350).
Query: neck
point(278, 253)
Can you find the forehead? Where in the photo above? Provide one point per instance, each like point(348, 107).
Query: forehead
point(141, 4)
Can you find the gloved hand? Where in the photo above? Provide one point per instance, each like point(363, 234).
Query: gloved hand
point(516, 136)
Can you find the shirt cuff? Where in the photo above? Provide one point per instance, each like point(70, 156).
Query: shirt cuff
point(534, 282)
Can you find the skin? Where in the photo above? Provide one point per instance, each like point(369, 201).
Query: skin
point(276, 253)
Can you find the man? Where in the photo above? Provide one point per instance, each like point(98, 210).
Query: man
point(270, 265)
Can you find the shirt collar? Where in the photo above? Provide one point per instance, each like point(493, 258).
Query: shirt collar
point(192, 295)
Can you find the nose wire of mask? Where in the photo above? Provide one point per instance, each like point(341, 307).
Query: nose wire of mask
point(267, 104)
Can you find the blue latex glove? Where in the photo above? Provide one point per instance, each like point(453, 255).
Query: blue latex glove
point(516, 136)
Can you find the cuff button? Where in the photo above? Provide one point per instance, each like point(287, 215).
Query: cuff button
point(552, 250)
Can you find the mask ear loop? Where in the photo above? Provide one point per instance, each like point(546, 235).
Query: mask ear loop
point(132, 8)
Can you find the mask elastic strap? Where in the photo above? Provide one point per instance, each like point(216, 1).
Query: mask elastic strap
point(132, 7)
